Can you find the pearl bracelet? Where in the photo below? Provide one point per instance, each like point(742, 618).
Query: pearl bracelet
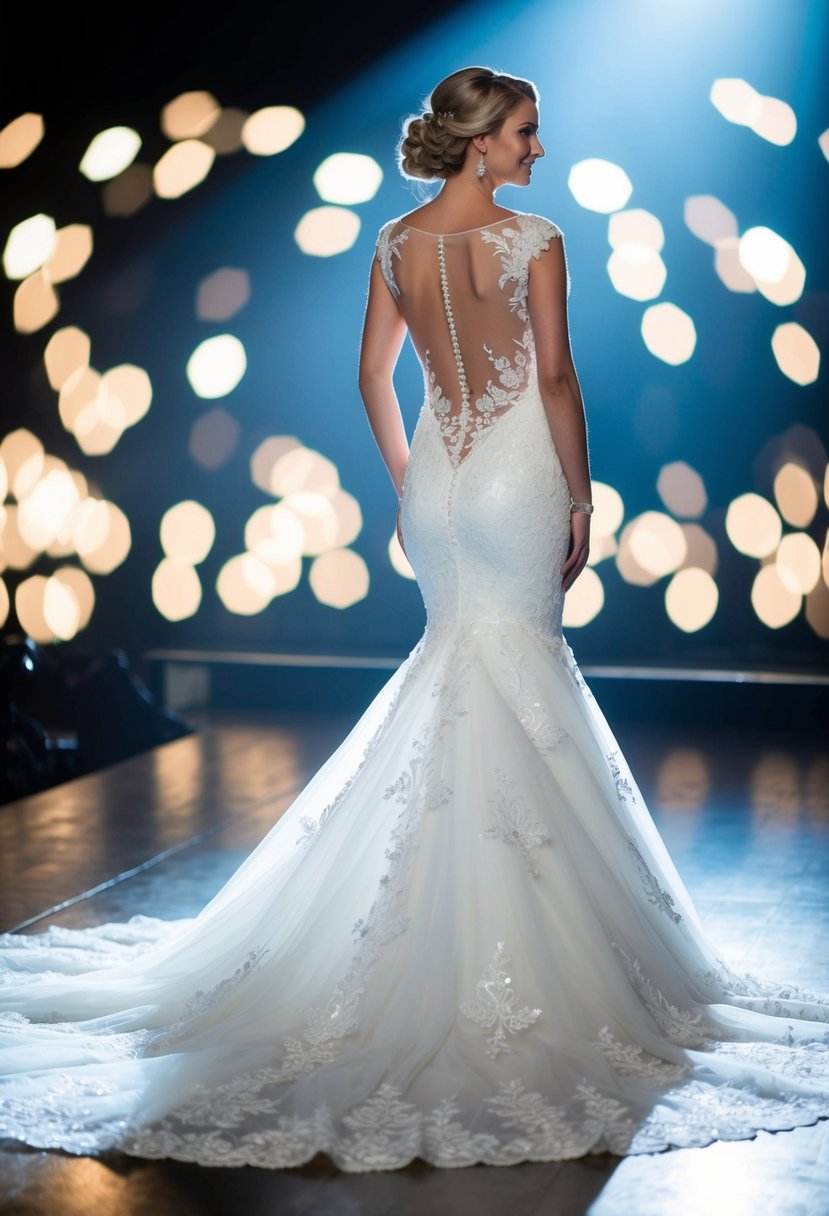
point(586, 507)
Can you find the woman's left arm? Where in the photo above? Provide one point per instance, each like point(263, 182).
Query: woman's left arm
point(384, 332)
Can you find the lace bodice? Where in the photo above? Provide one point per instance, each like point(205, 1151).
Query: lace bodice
point(464, 297)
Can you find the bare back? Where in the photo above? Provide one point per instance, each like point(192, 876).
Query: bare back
point(464, 298)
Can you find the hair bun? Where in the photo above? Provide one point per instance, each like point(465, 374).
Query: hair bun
point(434, 143)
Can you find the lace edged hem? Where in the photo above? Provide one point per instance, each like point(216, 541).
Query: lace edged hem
point(439, 1142)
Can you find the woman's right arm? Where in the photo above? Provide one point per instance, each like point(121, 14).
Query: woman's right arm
point(384, 332)
point(561, 392)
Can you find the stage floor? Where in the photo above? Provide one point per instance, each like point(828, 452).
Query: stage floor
point(745, 816)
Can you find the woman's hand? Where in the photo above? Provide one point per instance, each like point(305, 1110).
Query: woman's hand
point(579, 548)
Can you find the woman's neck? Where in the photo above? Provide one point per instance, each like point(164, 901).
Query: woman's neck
point(465, 189)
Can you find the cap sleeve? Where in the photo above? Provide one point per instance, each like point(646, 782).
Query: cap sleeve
point(386, 249)
point(542, 233)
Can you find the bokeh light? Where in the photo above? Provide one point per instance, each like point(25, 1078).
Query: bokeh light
point(584, 600)
point(691, 599)
point(129, 386)
point(18, 448)
point(682, 489)
point(272, 129)
point(276, 535)
point(29, 244)
point(796, 352)
point(109, 153)
point(753, 525)
point(189, 115)
point(318, 518)
point(213, 438)
point(182, 167)
point(19, 138)
point(710, 220)
point(669, 333)
point(399, 561)
point(245, 584)
point(301, 468)
point(700, 549)
point(102, 535)
point(16, 553)
point(176, 589)
point(599, 185)
point(72, 250)
point(222, 294)
point(816, 611)
point(187, 532)
point(265, 458)
point(772, 264)
point(796, 494)
point(81, 586)
point(635, 227)
point(348, 178)
point(29, 607)
point(740, 103)
point(339, 578)
point(774, 601)
point(657, 543)
point(325, 231)
point(730, 270)
point(798, 562)
point(608, 510)
point(35, 303)
point(127, 193)
point(349, 518)
point(637, 271)
point(764, 254)
point(225, 134)
point(216, 366)
point(44, 511)
point(61, 609)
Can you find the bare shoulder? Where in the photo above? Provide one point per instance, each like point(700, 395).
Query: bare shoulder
point(419, 214)
point(438, 217)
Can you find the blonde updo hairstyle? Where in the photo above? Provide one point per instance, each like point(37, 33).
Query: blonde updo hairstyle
point(473, 101)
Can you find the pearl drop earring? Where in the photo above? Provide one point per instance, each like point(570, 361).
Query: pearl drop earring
point(481, 167)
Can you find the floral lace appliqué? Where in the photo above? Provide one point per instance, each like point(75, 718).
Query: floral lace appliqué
point(623, 786)
point(388, 247)
point(516, 246)
point(765, 995)
point(527, 701)
point(417, 785)
point(549, 1131)
point(678, 1025)
point(656, 895)
point(630, 1060)
point(310, 826)
point(514, 824)
point(494, 1007)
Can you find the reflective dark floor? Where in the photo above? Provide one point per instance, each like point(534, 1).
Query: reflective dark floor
point(745, 816)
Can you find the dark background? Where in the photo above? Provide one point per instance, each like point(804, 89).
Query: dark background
point(724, 411)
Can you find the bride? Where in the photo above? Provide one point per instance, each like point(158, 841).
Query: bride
point(465, 940)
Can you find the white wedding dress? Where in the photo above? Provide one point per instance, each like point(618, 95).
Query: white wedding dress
point(465, 940)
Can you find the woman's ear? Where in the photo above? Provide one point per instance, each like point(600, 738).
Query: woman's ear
point(480, 142)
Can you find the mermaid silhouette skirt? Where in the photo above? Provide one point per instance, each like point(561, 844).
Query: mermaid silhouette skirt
point(463, 942)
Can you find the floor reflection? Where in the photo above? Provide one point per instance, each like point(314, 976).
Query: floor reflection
point(745, 818)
